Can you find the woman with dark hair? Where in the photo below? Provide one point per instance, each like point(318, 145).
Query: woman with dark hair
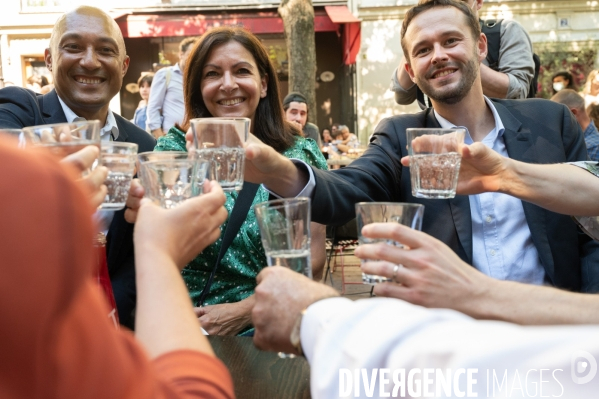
point(229, 74)
point(563, 80)
point(144, 83)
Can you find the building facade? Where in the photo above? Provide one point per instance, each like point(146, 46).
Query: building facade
point(153, 29)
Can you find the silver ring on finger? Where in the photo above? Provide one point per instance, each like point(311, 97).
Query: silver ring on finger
point(394, 276)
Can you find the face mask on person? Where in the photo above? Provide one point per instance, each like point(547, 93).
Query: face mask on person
point(557, 86)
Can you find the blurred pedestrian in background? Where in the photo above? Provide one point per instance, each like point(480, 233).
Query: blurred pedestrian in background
point(144, 83)
point(563, 80)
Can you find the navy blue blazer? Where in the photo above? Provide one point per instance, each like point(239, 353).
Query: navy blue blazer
point(536, 131)
point(21, 107)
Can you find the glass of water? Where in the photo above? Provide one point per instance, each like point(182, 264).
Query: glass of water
point(434, 161)
point(171, 177)
point(285, 230)
point(119, 158)
point(220, 142)
point(63, 139)
point(385, 212)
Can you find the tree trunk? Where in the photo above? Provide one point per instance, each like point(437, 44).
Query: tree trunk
point(298, 20)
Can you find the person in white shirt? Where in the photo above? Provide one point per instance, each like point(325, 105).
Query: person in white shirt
point(165, 106)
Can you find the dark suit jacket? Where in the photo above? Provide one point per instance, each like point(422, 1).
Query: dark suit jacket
point(19, 108)
point(536, 131)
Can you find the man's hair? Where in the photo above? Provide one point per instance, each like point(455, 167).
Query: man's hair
point(86, 10)
point(425, 5)
point(293, 97)
point(186, 43)
point(570, 99)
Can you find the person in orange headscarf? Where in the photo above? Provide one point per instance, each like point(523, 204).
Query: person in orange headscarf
point(55, 339)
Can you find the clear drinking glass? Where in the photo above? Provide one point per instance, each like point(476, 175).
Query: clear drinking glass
point(385, 212)
point(171, 177)
point(63, 139)
point(120, 159)
point(220, 141)
point(434, 161)
point(285, 231)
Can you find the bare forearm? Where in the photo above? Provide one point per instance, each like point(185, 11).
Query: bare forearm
point(165, 320)
point(565, 189)
point(495, 84)
point(534, 305)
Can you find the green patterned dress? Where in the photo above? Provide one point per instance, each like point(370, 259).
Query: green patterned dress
point(235, 277)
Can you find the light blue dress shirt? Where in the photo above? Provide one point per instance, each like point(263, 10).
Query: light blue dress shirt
point(165, 105)
point(502, 246)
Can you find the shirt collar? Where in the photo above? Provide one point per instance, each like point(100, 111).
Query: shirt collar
point(498, 130)
point(110, 131)
point(177, 68)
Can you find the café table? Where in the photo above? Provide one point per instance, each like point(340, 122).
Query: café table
point(335, 163)
point(259, 374)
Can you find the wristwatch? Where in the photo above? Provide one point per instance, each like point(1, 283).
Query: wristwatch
point(295, 336)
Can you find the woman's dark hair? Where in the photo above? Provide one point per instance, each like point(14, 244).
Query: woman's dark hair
point(270, 125)
point(147, 78)
point(568, 76)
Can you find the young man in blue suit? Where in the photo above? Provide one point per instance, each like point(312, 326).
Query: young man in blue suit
point(501, 236)
point(88, 61)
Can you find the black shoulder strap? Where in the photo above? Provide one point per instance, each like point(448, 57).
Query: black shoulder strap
point(238, 215)
point(492, 29)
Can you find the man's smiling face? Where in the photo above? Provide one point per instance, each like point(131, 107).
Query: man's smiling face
point(444, 55)
point(88, 61)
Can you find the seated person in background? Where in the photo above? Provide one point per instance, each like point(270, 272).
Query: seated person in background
point(501, 236)
point(575, 104)
point(563, 80)
point(56, 338)
point(229, 74)
point(144, 83)
point(296, 110)
point(509, 78)
point(593, 112)
point(84, 86)
point(326, 136)
point(345, 140)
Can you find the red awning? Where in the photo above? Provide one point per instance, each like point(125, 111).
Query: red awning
point(340, 14)
point(351, 31)
point(161, 25)
point(267, 22)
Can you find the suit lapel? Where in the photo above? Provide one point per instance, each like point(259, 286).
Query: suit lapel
point(51, 109)
point(123, 136)
point(459, 207)
point(519, 143)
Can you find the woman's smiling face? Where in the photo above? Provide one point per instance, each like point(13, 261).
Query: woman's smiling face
point(231, 82)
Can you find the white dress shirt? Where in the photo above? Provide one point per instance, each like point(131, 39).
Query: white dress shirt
point(165, 105)
point(340, 336)
point(502, 245)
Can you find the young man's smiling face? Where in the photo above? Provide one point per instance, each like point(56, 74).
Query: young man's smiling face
point(444, 57)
